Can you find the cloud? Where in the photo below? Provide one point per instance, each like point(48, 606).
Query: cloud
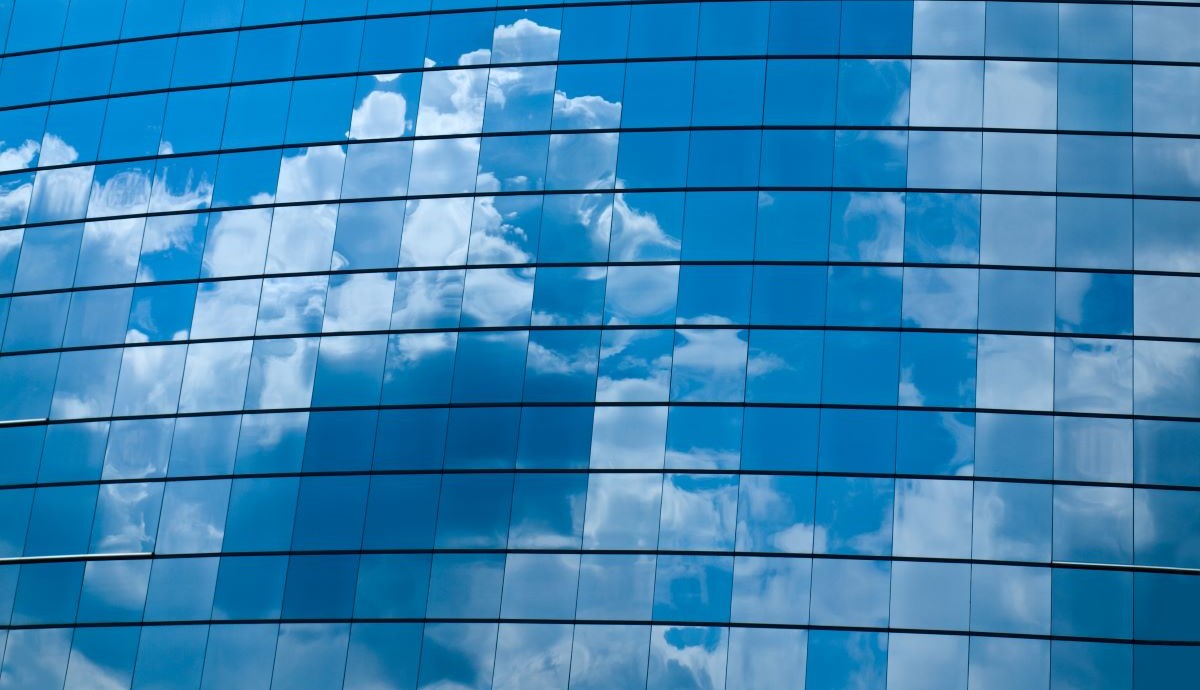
point(193, 518)
point(930, 518)
point(380, 114)
point(1016, 372)
point(532, 656)
point(427, 299)
point(622, 510)
point(635, 366)
point(127, 517)
point(688, 657)
point(1164, 373)
point(637, 293)
point(215, 376)
point(1093, 375)
point(237, 242)
point(281, 375)
point(629, 437)
point(291, 305)
point(15, 194)
point(608, 656)
point(436, 232)
point(941, 297)
point(18, 157)
point(524, 41)
point(1021, 94)
point(36, 658)
point(315, 173)
point(709, 364)
point(150, 377)
point(359, 302)
point(124, 193)
point(638, 234)
point(585, 112)
point(544, 360)
point(452, 101)
point(498, 297)
point(871, 227)
point(226, 308)
point(698, 512)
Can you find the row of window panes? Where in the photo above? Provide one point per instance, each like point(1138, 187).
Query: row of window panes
point(508, 656)
point(1036, 373)
point(40, 24)
point(1022, 95)
point(886, 227)
point(756, 439)
point(923, 518)
point(677, 588)
point(778, 296)
point(577, 162)
point(1010, 29)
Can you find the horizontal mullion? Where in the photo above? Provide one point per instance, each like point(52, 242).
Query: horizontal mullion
point(622, 264)
point(1146, 642)
point(705, 553)
point(824, 127)
point(602, 328)
point(599, 192)
point(655, 403)
point(591, 61)
point(577, 471)
point(472, 10)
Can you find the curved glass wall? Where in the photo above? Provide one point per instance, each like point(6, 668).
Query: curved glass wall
point(732, 344)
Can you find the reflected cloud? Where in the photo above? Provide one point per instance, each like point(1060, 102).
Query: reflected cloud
point(870, 227)
point(544, 360)
point(1164, 375)
point(687, 658)
point(237, 240)
point(709, 364)
point(532, 656)
point(622, 511)
point(1016, 372)
point(524, 41)
point(382, 112)
point(127, 520)
point(585, 112)
point(635, 365)
point(18, 157)
point(698, 512)
point(281, 375)
point(932, 518)
point(1093, 375)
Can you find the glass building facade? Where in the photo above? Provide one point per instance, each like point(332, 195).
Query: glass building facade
point(378, 344)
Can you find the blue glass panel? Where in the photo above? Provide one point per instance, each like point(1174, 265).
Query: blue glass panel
point(1023, 29)
point(477, 576)
point(239, 653)
point(872, 26)
point(261, 513)
point(836, 658)
point(170, 654)
point(102, 655)
point(411, 501)
point(181, 589)
point(547, 511)
point(382, 653)
point(320, 586)
point(474, 511)
point(462, 654)
point(249, 587)
point(854, 515)
point(330, 513)
point(860, 367)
